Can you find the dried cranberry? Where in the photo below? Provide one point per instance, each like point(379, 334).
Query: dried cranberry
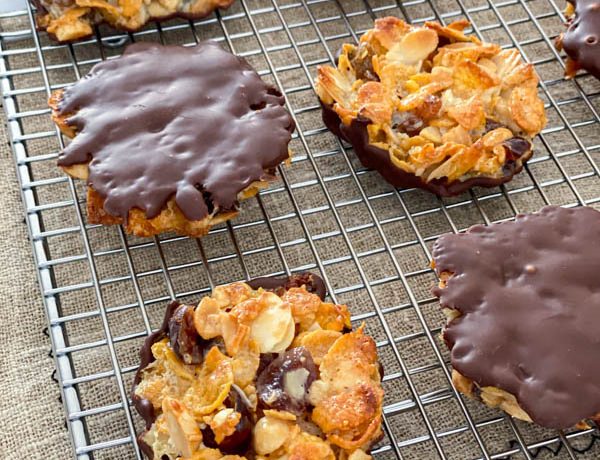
point(239, 441)
point(265, 360)
point(362, 62)
point(407, 122)
point(183, 337)
point(491, 125)
point(185, 340)
point(516, 147)
point(284, 383)
point(429, 108)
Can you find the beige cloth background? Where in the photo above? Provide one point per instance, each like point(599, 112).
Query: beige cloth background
point(32, 416)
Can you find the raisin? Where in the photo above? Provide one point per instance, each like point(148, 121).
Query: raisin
point(491, 125)
point(429, 108)
point(239, 441)
point(284, 383)
point(265, 360)
point(516, 147)
point(185, 340)
point(362, 62)
point(407, 122)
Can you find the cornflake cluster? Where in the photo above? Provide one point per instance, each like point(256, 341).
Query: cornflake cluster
point(67, 20)
point(252, 373)
point(445, 106)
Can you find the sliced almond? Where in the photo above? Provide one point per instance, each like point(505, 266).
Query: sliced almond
point(270, 434)
point(184, 432)
point(207, 318)
point(273, 329)
point(415, 46)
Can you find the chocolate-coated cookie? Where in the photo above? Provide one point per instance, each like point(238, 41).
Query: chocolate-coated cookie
point(523, 301)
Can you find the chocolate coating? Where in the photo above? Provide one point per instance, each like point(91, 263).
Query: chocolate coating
point(144, 407)
point(378, 159)
point(529, 296)
point(196, 123)
point(312, 283)
point(581, 41)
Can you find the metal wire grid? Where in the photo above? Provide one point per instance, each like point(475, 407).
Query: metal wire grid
point(382, 234)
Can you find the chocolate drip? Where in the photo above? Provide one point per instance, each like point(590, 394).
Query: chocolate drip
point(581, 41)
point(194, 123)
point(529, 296)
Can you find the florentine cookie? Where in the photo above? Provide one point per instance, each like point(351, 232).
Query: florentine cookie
point(171, 137)
point(68, 20)
point(581, 41)
point(523, 306)
point(430, 107)
point(259, 370)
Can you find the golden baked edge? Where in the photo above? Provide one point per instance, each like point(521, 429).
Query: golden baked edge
point(77, 21)
point(169, 219)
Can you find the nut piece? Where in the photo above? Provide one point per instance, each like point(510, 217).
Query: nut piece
point(224, 422)
point(273, 329)
point(183, 429)
point(270, 434)
point(415, 46)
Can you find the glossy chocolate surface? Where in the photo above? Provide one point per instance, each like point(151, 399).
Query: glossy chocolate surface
point(379, 160)
point(194, 123)
point(529, 296)
point(581, 41)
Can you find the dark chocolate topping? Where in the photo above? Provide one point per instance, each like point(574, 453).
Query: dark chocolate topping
point(310, 281)
point(144, 407)
point(581, 41)
point(529, 296)
point(196, 123)
point(378, 159)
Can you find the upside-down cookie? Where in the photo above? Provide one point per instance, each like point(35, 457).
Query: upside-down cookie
point(170, 138)
point(68, 20)
point(581, 41)
point(431, 107)
point(523, 306)
point(259, 370)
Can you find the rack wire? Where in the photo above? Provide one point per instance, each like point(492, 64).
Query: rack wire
point(104, 291)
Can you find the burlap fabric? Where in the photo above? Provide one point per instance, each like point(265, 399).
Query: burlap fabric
point(32, 416)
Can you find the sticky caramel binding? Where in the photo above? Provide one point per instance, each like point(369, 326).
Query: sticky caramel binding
point(260, 370)
point(431, 107)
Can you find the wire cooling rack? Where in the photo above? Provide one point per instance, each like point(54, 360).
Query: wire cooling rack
point(105, 291)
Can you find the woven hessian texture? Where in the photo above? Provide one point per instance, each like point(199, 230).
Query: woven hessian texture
point(33, 418)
